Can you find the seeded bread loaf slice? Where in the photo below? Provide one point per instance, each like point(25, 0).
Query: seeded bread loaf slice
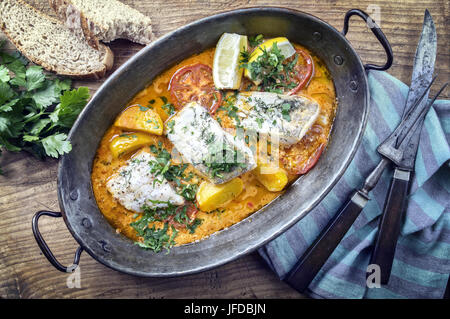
point(104, 20)
point(48, 42)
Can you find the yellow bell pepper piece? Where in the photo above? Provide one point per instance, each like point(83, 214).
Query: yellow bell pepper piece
point(273, 178)
point(126, 143)
point(210, 196)
point(139, 118)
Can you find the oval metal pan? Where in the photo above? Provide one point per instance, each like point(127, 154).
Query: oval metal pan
point(97, 236)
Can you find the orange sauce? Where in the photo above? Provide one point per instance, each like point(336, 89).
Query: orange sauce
point(253, 197)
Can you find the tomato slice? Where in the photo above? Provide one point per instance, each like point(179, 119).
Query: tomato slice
point(311, 161)
point(191, 212)
point(303, 72)
point(299, 162)
point(195, 83)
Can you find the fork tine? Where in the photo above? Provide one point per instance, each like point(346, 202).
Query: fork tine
point(422, 113)
point(391, 147)
point(417, 102)
point(403, 128)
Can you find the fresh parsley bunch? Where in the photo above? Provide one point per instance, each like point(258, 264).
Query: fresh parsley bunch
point(36, 110)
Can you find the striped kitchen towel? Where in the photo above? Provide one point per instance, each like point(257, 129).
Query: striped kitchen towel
point(422, 259)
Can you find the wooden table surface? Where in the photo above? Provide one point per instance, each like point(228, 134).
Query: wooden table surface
point(29, 185)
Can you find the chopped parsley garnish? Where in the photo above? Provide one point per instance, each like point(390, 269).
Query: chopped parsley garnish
point(143, 108)
point(164, 99)
point(244, 58)
point(256, 40)
point(271, 70)
point(230, 109)
point(153, 238)
point(222, 159)
point(188, 191)
point(260, 121)
point(158, 238)
point(168, 107)
point(181, 216)
point(210, 138)
point(285, 109)
point(170, 126)
point(193, 226)
point(154, 122)
point(173, 173)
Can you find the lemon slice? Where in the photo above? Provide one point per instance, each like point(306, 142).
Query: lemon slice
point(283, 44)
point(226, 71)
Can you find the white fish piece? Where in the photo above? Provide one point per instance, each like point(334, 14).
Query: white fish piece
point(134, 185)
point(199, 138)
point(288, 116)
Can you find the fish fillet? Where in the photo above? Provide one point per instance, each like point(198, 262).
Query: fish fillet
point(290, 117)
point(201, 141)
point(134, 186)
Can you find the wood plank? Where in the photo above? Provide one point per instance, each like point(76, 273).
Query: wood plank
point(29, 185)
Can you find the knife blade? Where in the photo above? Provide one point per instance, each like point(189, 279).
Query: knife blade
point(395, 205)
point(424, 61)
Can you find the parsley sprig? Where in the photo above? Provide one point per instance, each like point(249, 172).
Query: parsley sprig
point(36, 110)
point(256, 40)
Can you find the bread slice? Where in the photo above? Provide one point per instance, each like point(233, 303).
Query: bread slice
point(47, 41)
point(104, 20)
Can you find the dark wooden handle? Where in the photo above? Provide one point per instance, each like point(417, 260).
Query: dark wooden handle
point(317, 254)
point(390, 224)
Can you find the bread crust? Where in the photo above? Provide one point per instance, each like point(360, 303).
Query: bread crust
point(108, 59)
point(75, 20)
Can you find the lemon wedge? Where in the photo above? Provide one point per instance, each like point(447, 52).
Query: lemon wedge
point(226, 71)
point(283, 44)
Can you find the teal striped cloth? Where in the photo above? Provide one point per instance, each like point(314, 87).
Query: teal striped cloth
point(422, 259)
